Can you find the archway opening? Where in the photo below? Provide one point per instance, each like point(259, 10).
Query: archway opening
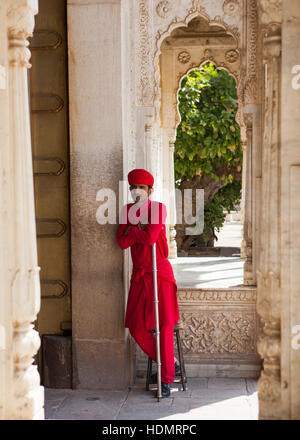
point(199, 66)
point(208, 157)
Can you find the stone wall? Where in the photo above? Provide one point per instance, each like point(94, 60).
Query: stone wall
point(220, 333)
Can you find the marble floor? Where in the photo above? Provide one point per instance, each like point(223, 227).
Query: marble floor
point(222, 271)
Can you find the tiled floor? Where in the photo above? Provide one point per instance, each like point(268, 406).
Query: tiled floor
point(205, 399)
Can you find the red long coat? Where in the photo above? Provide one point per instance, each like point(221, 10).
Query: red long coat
point(140, 306)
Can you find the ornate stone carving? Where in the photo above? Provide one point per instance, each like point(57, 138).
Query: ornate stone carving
point(26, 343)
point(197, 6)
point(268, 307)
point(208, 54)
point(252, 34)
point(145, 90)
point(270, 10)
point(248, 119)
point(269, 386)
point(184, 57)
point(163, 9)
point(161, 34)
point(20, 24)
point(246, 245)
point(219, 296)
point(231, 7)
point(268, 275)
point(26, 394)
point(230, 29)
point(219, 332)
point(250, 91)
point(231, 56)
point(271, 42)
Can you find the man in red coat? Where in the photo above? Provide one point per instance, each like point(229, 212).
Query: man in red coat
point(142, 224)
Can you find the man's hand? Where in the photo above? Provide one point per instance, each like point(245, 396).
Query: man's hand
point(140, 226)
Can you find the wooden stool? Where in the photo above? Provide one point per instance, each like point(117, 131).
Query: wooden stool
point(177, 328)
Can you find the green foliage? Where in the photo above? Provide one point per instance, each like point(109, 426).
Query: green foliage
point(208, 136)
point(226, 200)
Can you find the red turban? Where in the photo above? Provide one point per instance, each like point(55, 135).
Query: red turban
point(140, 177)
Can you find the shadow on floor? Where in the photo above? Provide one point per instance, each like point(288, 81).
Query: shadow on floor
point(205, 399)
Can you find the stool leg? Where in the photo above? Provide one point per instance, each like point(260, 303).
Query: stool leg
point(149, 372)
point(183, 363)
point(180, 355)
point(184, 373)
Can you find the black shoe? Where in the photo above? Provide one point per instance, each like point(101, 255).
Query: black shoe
point(165, 390)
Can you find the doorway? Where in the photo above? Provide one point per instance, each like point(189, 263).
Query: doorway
point(48, 98)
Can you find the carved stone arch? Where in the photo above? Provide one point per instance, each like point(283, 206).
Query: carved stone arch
point(175, 23)
point(166, 89)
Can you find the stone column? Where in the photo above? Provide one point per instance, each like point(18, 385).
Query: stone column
point(5, 314)
point(100, 343)
point(24, 396)
point(246, 245)
point(172, 205)
point(290, 209)
point(251, 192)
point(268, 273)
point(251, 139)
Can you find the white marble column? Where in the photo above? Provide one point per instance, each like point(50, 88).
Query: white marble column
point(24, 395)
point(5, 321)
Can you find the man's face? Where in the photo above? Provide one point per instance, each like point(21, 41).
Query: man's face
point(140, 193)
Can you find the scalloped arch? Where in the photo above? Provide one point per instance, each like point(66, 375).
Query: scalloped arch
point(176, 23)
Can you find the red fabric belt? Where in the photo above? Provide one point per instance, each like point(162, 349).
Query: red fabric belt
point(139, 272)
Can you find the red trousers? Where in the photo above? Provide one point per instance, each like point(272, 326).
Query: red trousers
point(146, 340)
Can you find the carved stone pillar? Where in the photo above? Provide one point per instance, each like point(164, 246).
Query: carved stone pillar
point(290, 208)
point(246, 247)
point(26, 396)
point(268, 301)
point(172, 206)
point(148, 143)
point(250, 134)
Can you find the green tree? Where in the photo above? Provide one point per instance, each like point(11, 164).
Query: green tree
point(208, 151)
